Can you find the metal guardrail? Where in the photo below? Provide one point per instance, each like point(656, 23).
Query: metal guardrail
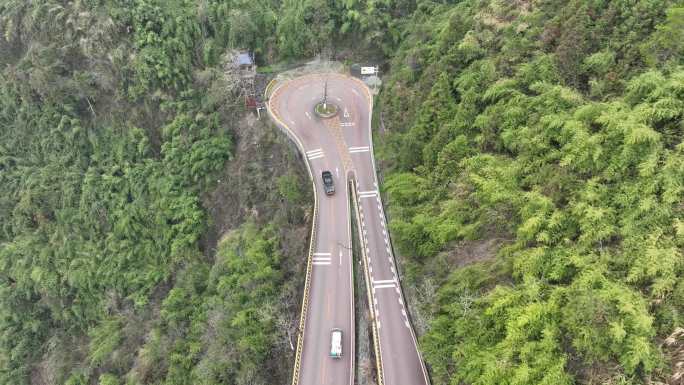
point(369, 291)
point(305, 299)
point(309, 266)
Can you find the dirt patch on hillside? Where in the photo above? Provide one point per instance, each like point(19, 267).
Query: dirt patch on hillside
point(467, 252)
point(248, 186)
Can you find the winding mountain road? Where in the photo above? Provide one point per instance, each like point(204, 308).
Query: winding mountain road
point(343, 145)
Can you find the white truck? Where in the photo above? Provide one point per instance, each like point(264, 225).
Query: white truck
point(336, 343)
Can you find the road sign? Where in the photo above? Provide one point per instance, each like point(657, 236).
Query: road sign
point(369, 70)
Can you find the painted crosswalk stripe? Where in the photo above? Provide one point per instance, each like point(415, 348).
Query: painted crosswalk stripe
point(368, 194)
point(382, 286)
point(321, 258)
point(348, 124)
point(315, 154)
point(359, 149)
point(384, 281)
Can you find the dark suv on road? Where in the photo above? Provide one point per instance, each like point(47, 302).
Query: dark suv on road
point(328, 185)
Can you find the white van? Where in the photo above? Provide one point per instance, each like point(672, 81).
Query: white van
point(336, 343)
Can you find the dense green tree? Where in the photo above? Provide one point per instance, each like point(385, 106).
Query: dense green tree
point(550, 138)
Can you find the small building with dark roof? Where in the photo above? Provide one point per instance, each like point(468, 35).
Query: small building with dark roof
point(244, 61)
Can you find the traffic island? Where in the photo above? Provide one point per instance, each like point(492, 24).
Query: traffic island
point(325, 110)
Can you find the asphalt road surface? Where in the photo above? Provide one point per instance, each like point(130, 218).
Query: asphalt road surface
point(343, 146)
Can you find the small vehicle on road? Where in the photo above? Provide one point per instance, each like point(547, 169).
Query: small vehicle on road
point(336, 343)
point(328, 184)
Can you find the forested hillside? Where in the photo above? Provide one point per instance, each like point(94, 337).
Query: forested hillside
point(536, 193)
point(118, 134)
